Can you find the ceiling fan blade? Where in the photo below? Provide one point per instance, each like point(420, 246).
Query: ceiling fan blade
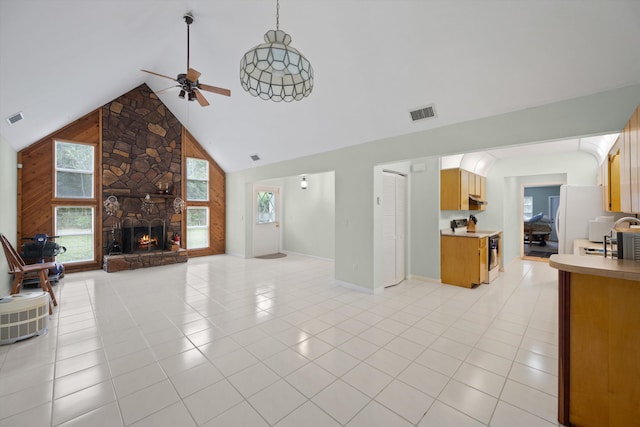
point(159, 75)
point(215, 89)
point(200, 98)
point(193, 75)
point(166, 89)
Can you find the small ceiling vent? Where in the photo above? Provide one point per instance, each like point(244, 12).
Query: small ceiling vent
point(255, 157)
point(422, 113)
point(15, 118)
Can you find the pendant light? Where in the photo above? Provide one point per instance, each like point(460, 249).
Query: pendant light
point(275, 70)
point(303, 183)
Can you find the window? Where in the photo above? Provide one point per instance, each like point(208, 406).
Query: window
point(197, 227)
point(74, 170)
point(528, 206)
point(266, 207)
point(197, 179)
point(74, 226)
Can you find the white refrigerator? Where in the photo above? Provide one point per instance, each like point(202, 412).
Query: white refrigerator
point(578, 205)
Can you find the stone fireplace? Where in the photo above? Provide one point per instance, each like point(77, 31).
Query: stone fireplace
point(142, 168)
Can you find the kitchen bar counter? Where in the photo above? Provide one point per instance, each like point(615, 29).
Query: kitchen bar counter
point(599, 340)
point(597, 266)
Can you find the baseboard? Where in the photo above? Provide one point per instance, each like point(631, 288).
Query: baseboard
point(424, 279)
point(358, 288)
point(307, 255)
point(236, 255)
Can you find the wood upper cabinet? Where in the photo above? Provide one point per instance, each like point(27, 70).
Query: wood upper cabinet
point(613, 175)
point(631, 137)
point(455, 187)
point(623, 169)
point(463, 260)
point(454, 190)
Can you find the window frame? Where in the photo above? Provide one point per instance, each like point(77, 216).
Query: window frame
point(95, 203)
point(206, 227)
point(94, 178)
point(527, 203)
point(92, 233)
point(187, 180)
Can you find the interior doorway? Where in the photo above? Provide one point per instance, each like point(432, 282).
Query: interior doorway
point(539, 207)
point(394, 202)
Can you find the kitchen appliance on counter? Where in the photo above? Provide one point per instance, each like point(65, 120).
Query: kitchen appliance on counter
point(624, 243)
point(459, 225)
point(599, 227)
point(578, 205)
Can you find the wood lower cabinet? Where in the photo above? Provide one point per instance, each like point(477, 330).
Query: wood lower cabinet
point(599, 352)
point(463, 260)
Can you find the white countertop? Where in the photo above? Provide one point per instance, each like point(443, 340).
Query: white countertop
point(478, 234)
point(597, 266)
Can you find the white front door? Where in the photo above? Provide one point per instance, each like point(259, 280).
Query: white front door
point(394, 226)
point(266, 221)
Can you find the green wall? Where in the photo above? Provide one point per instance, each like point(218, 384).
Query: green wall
point(354, 168)
point(308, 225)
point(8, 207)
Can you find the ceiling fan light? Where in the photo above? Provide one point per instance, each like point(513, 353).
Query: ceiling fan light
point(181, 94)
point(192, 96)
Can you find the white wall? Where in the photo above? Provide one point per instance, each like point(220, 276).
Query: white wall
point(8, 207)
point(601, 113)
point(308, 223)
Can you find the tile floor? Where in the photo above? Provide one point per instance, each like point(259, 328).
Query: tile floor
point(224, 341)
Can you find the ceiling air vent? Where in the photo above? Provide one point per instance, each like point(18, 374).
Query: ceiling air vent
point(15, 118)
point(422, 113)
point(255, 157)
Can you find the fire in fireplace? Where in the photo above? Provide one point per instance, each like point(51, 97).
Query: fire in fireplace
point(146, 242)
point(142, 236)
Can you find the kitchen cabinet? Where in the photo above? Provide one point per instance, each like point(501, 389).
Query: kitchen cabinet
point(622, 169)
point(455, 187)
point(611, 172)
point(463, 260)
point(599, 374)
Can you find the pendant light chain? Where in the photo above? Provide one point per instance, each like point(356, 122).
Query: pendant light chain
point(188, 44)
point(277, 14)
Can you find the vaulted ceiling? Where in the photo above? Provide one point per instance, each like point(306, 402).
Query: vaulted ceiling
point(374, 60)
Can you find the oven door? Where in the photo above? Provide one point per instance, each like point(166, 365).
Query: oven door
point(494, 241)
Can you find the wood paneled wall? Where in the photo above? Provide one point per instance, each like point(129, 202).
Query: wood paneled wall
point(36, 196)
point(217, 194)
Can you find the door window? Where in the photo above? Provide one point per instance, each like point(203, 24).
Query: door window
point(266, 213)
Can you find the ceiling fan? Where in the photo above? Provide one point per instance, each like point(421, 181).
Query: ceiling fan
point(188, 83)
